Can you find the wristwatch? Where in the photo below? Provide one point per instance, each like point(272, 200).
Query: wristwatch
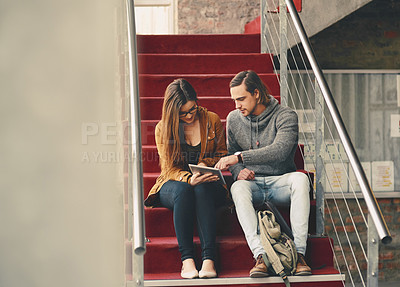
point(239, 156)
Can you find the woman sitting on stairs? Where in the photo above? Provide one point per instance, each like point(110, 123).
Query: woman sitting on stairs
point(189, 134)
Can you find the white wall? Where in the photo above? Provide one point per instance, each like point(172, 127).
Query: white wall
point(61, 218)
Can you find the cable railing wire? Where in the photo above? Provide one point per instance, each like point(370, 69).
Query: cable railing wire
point(302, 107)
point(371, 202)
point(308, 98)
point(340, 247)
point(289, 92)
point(331, 161)
point(333, 140)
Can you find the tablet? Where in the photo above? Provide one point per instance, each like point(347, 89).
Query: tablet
point(205, 169)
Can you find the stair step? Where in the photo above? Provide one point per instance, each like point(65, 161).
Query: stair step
point(149, 179)
point(227, 43)
point(151, 107)
point(330, 278)
point(148, 128)
point(233, 252)
point(154, 85)
point(203, 64)
point(150, 159)
point(148, 131)
point(162, 255)
point(159, 221)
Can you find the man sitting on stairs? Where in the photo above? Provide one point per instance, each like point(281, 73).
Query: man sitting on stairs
point(262, 140)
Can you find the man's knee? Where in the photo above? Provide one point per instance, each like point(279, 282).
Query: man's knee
point(301, 182)
point(301, 177)
point(240, 190)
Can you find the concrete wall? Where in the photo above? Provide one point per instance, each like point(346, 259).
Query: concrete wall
point(319, 14)
point(367, 39)
point(61, 205)
point(316, 15)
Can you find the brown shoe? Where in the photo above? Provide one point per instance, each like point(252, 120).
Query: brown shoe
point(260, 269)
point(302, 268)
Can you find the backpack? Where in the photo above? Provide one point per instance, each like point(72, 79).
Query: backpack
point(280, 252)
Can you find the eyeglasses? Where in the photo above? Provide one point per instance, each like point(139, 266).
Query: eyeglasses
point(191, 111)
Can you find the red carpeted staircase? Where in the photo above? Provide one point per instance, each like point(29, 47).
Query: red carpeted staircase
point(208, 62)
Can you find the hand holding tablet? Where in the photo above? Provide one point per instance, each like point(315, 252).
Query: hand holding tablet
point(205, 169)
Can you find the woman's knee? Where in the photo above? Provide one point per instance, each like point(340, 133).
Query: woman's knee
point(181, 190)
point(175, 191)
point(203, 189)
point(209, 192)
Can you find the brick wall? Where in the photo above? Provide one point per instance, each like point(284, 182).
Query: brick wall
point(215, 17)
point(389, 258)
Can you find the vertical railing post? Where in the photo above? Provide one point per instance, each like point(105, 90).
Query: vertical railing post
point(283, 68)
point(319, 161)
point(135, 169)
point(373, 254)
point(263, 5)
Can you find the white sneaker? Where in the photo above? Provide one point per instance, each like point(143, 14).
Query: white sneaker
point(190, 274)
point(207, 274)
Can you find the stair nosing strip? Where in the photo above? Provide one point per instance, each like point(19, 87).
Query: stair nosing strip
point(219, 75)
point(242, 280)
point(205, 54)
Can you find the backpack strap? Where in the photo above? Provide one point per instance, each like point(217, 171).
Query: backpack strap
point(282, 274)
point(270, 255)
point(279, 218)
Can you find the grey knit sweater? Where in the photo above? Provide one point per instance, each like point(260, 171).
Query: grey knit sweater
point(268, 141)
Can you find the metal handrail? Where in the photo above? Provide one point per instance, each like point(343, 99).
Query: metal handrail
point(366, 190)
point(135, 147)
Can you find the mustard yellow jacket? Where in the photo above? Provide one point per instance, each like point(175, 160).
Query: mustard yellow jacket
point(213, 147)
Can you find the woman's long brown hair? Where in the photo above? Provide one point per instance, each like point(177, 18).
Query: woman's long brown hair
point(178, 93)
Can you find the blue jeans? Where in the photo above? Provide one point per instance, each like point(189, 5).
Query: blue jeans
point(284, 190)
point(190, 202)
